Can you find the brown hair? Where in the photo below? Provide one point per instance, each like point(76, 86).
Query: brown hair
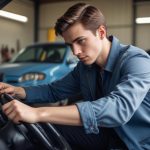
point(90, 17)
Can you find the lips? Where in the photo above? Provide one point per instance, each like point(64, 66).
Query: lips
point(83, 58)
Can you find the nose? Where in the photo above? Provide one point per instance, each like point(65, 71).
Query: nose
point(76, 50)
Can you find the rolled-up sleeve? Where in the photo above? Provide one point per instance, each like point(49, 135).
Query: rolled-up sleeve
point(88, 117)
point(118, 107)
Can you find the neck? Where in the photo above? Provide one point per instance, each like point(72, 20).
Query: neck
point(102, 58)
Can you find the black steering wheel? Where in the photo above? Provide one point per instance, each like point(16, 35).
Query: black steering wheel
point(38, 136)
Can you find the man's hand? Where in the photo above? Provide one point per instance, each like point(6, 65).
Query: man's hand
point(12, 90)
point(6, 88)
point(17, 112)
point(20, 112)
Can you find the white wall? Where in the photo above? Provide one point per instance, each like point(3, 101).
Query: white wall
point(12, 31)
point(143, 31)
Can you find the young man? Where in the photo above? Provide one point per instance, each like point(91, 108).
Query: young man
point(114, 80)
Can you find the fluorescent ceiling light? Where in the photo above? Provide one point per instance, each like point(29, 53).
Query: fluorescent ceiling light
point(143, 20)
point(13, 16)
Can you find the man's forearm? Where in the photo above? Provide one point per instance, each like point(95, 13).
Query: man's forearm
point(66, 115)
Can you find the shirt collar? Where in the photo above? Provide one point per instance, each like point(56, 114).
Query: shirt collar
point(113, 54)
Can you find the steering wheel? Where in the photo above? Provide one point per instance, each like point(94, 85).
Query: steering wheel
point(45, 133)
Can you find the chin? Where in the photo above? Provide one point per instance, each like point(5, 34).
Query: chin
point(88, 62)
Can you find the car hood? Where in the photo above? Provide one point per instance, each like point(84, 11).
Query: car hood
point(17, 69)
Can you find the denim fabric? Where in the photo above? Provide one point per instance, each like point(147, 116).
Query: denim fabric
point(107, 139)
point(126, 102)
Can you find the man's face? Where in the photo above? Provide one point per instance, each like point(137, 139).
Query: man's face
point(84, 44)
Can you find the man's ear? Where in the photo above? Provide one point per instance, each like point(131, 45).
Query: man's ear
point(101, 32)
point(97, 34)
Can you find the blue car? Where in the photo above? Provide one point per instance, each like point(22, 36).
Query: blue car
point(38, 64)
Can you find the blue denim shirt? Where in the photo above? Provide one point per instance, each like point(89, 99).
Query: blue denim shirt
point(126, 102)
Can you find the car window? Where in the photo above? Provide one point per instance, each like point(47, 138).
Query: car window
point(72, 58)
point(43, 53)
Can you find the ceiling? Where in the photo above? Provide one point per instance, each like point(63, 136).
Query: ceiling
point(51, 1)
point(141, 0)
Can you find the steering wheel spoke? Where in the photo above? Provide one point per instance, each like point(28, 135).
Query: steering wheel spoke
point(42, 132)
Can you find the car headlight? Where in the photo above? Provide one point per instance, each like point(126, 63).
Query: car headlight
point(33, 76)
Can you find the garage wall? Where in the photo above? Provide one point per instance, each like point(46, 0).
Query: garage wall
point(15, 34)
point(143, 31)
point(118, 17)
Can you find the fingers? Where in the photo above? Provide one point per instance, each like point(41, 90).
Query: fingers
point(2, 87)
point(17, 111)
point(6, 88)
point(8, 110)
point(11, 112)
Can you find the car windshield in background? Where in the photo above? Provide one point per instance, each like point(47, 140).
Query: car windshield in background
point(48, 54)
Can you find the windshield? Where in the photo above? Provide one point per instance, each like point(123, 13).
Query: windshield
point(42, 53)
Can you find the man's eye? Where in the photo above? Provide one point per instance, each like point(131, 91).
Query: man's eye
point(81, 41)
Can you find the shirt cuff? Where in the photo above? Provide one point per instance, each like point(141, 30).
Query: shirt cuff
point(33, 95)
point(88, 117)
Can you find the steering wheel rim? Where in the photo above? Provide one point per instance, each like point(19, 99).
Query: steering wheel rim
point(39, 131)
